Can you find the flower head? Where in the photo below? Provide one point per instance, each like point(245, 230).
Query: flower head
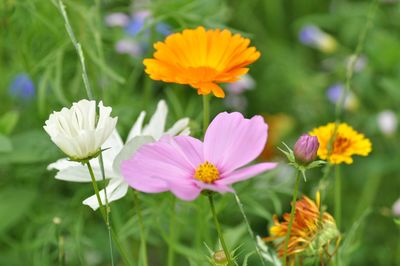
point(116, 151)
point(396, 208)
point(305, 149)
point(387, 122)
point(313, 36)
point(310, 234)
point(346, 143)
point(78, 132)
point(186, 166)
point(201, 58)
point(22, 87)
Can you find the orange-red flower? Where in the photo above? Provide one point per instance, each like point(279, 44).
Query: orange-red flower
point(201, 58)
point(311, 231)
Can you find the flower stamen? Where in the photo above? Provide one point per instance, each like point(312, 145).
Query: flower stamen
point(207, 172)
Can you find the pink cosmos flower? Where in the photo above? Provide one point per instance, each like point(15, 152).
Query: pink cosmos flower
point(186, 166)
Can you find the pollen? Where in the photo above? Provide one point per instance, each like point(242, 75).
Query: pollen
point(207, 172)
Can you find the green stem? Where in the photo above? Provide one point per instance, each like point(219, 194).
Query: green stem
point(107, 207)
point(141, 226)
point(249, 230)
point(103, 214)
point(206, 112)
point(292, 214)
point(172, 224)
point(78, 48)
point(338, 205)
point(338, 196)
point(219, 231)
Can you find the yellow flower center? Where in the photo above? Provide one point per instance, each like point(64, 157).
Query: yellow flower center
point(206, 172)
point(341, 144)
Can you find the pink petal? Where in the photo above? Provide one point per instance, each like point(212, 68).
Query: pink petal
point(164, 165)
point(245, 173)
point(231, 141)
point(221, 188)
point(185, 189)
point(191, 149)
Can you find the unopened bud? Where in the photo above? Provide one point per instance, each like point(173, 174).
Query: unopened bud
point(220, 257)
point(306, 148)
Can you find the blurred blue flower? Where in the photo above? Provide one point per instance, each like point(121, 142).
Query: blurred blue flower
point(311, 35)
point(136, 23)
point(334, 93)
point(22, 87)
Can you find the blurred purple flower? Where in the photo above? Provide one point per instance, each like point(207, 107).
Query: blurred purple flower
point(311, 35)
point(22, 87)
point(396, 208)
point(117, 20)
point(360, 63)
point(246, 82)
point(334, 92)
point(235, 102)
point(387, 122)
point(128, 46)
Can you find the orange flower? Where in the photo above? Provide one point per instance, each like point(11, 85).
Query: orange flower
point(201, 59)
point(311, 232)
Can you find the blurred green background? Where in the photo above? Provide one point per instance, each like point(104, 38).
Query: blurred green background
point(40, 72)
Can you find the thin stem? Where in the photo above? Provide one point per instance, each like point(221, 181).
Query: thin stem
point(353, 60)
point(141, 226)
point(107, 208)
point(292, 214)
point(78, 48)
point(338, 203)
point(219, 231)
point(338, 196)
point(103, 214)
point(250, 231)
point(206, 112)
point(172, 224)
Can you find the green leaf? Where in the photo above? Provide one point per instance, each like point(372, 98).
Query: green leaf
point(5, 144)
point(14, 204)
point(8, 121)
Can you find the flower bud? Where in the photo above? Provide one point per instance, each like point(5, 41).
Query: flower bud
point(305, 149)
point(220, 257)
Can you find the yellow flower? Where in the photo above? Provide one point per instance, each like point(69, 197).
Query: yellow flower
point(311, 232)
point(201, 58)
point(347, 143)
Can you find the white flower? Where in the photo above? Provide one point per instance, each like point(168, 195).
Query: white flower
point(116, 152)
point(75, 130)
point(387, 122)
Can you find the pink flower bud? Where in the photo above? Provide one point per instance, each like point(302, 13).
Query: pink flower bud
point(305, 149)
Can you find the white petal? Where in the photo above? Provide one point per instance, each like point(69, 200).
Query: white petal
point(157, 122)
point(78, 173)
point(62, 164)
point(178, 127)
point(116, 189)
point(112, 147)
point(136, 129)
point(129, 149)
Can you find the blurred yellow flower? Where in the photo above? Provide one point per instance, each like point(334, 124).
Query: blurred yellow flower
point(201, 58)
point(311, 234)
point(347, 143)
